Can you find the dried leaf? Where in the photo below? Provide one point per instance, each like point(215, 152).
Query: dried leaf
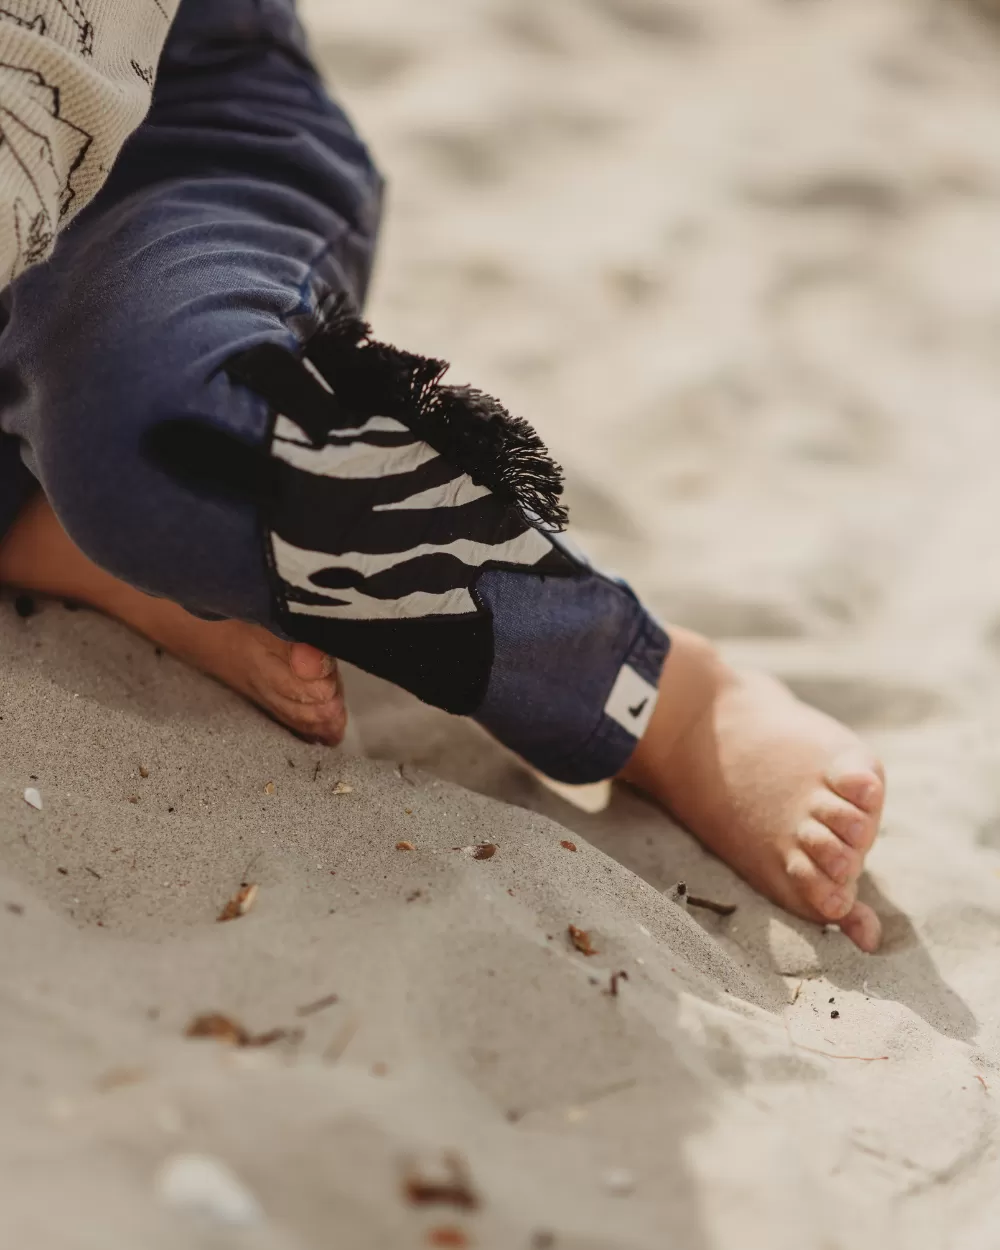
point(341, 787)
point(269, 787)
point(224, 1029)
point(218, 1027)
point(239, 904)
point(405, 846)
point(447, 1236)
point(485, 851)
point(581, 940)
point(567, 845)
point(452, 1188)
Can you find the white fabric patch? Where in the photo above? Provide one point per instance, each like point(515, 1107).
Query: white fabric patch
point(297, 566)
point(355, 460)
point(631, 702)
point(288, 431)
point(453, 494)
point(357, 606)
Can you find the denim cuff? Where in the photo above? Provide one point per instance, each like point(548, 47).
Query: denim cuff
point(576, 670)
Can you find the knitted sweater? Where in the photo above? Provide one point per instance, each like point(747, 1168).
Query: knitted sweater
point(76, 78)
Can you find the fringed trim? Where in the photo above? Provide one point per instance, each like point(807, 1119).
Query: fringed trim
point(469, 428)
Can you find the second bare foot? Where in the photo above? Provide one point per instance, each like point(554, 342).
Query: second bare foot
point(788, 797)
point(293, 682)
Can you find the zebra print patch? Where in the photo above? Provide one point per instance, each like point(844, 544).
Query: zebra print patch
point(370, 529)
point(376, 537)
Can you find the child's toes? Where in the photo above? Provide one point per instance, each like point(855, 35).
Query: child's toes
point(830, 900)
point(829, 852)
point(318, 722)
point(860, 781)
point(863, 927)
point(274, 675)
point(309, 663)
point(848, 822)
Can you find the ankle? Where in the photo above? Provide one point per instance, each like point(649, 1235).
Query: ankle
point(692, 680)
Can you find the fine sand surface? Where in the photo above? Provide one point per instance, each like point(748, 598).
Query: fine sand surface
point(740, 262)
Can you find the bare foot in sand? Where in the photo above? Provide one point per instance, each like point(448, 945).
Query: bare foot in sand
point(293, 682)
point(788, 797)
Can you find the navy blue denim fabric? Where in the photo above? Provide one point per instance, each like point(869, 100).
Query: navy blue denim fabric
point(243, 204)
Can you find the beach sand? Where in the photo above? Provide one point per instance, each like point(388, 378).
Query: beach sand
point(738, 260)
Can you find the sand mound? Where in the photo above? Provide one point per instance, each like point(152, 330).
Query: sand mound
point(737, 261)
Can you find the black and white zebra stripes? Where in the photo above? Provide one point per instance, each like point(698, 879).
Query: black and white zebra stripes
point(378, 525)
point(385, 496)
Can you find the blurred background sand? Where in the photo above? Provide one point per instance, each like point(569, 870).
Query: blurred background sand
point(739, 261)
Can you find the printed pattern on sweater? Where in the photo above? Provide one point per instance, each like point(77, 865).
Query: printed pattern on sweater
point(76, 78)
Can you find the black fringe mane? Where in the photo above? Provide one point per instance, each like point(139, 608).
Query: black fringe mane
point(468, 427)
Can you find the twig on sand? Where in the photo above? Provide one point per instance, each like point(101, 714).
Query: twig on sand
point(341, 1040)
point(706, 904)
point(827, 1054)
point(321, 1004)
point(616, 977)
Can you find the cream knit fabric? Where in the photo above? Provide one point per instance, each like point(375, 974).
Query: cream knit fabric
point(76, 78)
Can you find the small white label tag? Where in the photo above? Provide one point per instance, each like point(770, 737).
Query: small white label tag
point(631, 702)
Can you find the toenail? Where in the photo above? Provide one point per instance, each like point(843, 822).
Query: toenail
point(837, 906)
point(327, 667)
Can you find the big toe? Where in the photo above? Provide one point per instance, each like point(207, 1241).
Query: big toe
point(309, 663)
point(316, 722)
point(863, 927)
point(859, 779)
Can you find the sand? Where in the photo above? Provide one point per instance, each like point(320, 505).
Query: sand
point(738, 261)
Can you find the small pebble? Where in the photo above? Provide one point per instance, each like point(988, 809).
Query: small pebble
point(619, 1182)
point(33, 798)
point(269, 788)
point(834, 1015)
point(202, 1184)
point(143, 771)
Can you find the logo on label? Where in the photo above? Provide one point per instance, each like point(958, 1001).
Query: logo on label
point(631, 702)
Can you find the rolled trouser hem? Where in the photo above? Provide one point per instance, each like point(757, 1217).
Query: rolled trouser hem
point(576, 672)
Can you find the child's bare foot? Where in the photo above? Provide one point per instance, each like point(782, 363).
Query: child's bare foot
point(785, 795)
point(293, 682)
